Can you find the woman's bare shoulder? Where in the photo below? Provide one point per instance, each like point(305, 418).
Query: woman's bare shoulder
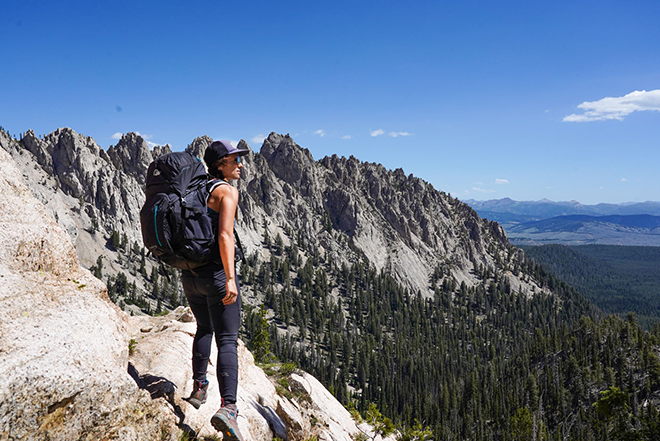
point(223, 190)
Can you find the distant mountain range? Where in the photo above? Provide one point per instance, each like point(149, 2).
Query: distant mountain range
point(572, 223)
point(507, 210)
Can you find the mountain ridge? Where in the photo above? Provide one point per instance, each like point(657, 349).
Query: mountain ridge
point(546, 208)
point(545, 222)
point(405, 242)
point(575, 221)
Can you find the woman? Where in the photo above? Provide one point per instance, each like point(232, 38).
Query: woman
point(213, 292)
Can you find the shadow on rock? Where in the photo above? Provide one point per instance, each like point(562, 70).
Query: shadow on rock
point(274, 421)
point(161, 387)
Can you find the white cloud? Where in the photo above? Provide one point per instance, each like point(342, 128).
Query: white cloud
point(396, 134)
point(320, 132)
point(377, 132)
point(118, 135)
point(257, 139)
point(347, 137)
point(151, 144)
point(481, 190)
point(623, 179)
point(501, 181)
point(617, 107)
point(145, 137)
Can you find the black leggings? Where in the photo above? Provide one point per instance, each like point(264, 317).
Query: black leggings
point(204, 294)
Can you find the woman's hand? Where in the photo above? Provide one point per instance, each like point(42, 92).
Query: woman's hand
point(232, 292)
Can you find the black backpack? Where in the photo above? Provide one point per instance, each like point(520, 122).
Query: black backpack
point(176, 227)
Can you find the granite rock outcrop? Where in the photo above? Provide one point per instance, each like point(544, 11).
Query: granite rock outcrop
point(63, 348)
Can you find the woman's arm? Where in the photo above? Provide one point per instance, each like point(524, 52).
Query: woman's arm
point(224, 200)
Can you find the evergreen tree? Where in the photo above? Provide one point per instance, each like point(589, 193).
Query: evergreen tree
point(97, 269)
point(260, 337)
point(115, 240)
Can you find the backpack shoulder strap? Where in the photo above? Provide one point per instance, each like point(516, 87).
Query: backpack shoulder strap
point(214, 183)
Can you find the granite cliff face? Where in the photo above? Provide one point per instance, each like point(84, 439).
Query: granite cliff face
point(74, 366)
point(132, 156)
point(345, 207)
point(91, 193)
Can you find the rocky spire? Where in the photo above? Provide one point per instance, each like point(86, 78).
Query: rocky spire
point(161, 150)
point(198, 146)
point(290, 162)
point(132, 156)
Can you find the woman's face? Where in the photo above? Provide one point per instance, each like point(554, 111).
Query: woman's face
point(231, 168)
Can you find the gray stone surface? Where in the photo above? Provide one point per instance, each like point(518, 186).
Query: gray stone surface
point(132, 156)
point(198, 146)
point(63, 344)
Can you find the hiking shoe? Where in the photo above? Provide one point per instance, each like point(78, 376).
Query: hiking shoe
point(198, 395)
point(224, 421)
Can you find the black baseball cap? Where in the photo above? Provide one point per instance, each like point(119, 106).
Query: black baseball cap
point(219, 149)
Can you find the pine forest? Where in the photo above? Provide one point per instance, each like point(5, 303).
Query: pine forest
point(476, 363)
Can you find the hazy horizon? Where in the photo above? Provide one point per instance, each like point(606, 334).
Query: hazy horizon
point(560, 202)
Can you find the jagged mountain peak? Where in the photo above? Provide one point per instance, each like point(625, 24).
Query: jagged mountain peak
point(131, 137)
point(69, 142)
point(161, 150)
point(86, 188)
point(290, 162)
point(400, 222)
point(283, 146)
point(243, 144)
point(199, 145)
point(132, 156)
point(275, 139)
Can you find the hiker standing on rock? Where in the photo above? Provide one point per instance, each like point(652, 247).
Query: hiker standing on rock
point(213, 292)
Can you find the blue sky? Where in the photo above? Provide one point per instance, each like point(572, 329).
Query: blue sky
point(520, 99)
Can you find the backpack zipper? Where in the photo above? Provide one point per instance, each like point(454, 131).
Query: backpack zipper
point(156, 224)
